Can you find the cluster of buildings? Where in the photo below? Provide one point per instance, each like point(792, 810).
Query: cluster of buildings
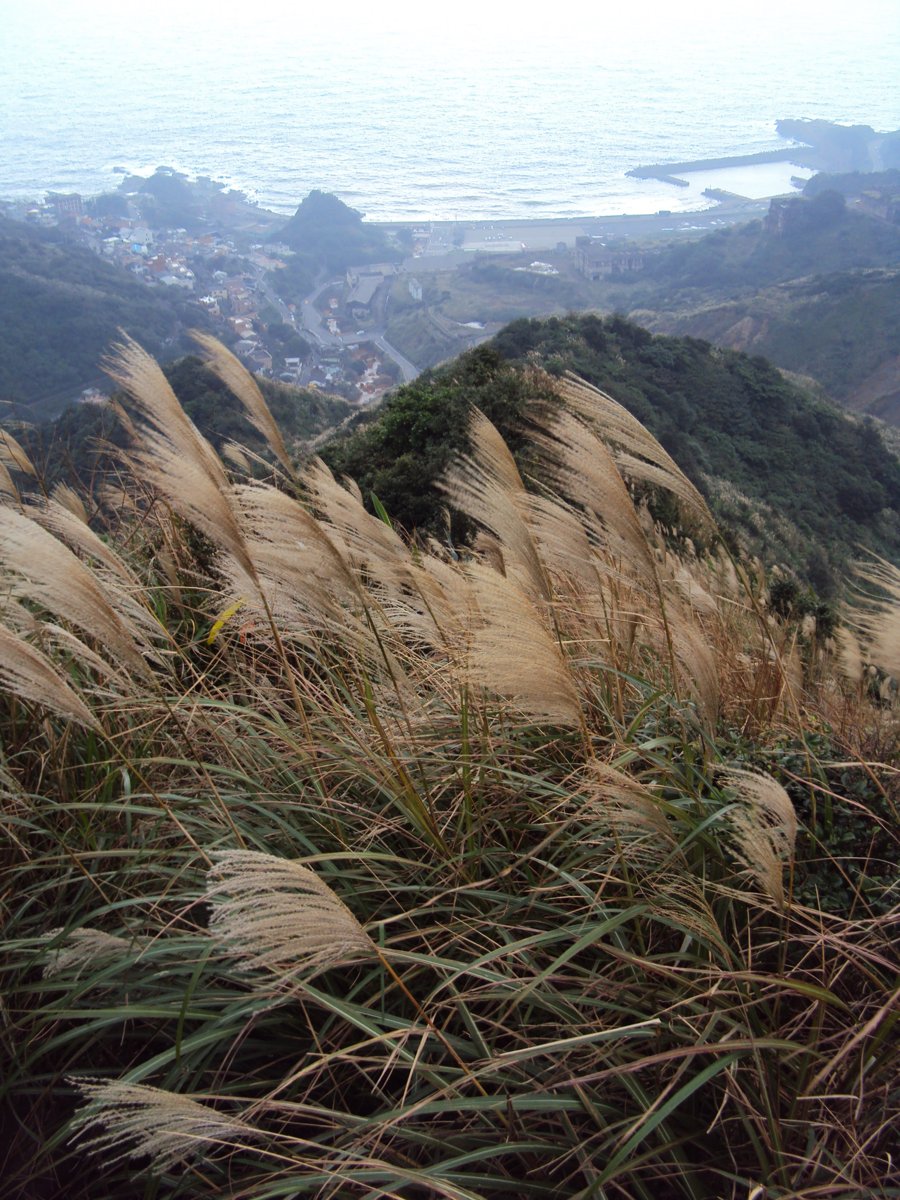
point(225, 278)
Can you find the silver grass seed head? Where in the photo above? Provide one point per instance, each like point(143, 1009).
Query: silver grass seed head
point(764, 826)
point(277, 916)
point(133, 1121)
point(83, 949)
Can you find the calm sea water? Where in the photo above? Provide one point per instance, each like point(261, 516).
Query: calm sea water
point(419, 117)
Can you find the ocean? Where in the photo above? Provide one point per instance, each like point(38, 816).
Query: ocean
point(409, 113)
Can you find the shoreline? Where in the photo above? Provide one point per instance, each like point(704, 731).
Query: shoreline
point(462, 239)
point(714, 206)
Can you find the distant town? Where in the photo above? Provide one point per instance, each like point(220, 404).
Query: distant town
point(359, 330)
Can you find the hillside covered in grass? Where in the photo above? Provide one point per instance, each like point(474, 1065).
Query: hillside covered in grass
point(840, 331)
point(798, 480)
point(554, 865)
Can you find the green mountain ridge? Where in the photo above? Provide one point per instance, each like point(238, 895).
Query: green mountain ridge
point(815, 288)
point(800, 481)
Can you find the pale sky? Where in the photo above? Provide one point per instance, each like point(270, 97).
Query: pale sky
point(472, 18)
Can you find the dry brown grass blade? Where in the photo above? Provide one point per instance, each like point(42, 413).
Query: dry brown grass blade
point(69, 499)
point(369, 544)
point(487, 487)
point(512, 653)
point(297, 565)
point(234, 453)
point(876, 616)
point(849, 654)
point(580, 468)
point(65, 517)
point(235, 376)
point(7, 486)
point(134, 1121)
point(12, 455)
point(173, 457)
point(698, 661)
point(25, 672)
point(635, 449)
point(41, 568)
point(276, 915)
point(764, 825)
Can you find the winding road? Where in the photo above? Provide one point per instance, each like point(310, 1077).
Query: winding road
point(310, 321)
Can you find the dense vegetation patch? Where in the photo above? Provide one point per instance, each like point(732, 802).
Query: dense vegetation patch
point(799, 480)
point(83, 442)
point(327, 235)
point(338, 864)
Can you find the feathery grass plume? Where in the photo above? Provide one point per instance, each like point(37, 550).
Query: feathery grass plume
point(627, 804)
point(173, 456)
point(64, 516)
point(581, 469)
point(371, 545)
point(133, 1121)
point(83, 949)
point(68, 645)
point(512, 653)
point(764, 825)
point(12, 455)
point(434, 609)
point(564, 546)
point(485, 485)
point(7, 487)
point(276, 915)
point(69, 498)
point(876, 616)
point(636, 450)
point(41, 568)
point(298, 568)
point(849, 655)
point(25, 672)
point(353, 488)
point(698, 662)
point(692, 590)
point(237, 456)
point(235, 376)
point(17, 617)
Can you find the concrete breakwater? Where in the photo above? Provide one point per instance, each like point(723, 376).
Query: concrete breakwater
point(669, 172)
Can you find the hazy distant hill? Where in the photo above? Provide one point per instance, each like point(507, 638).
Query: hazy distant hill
point(801, 481)
point(61, 307)
point(326, 234)
point(815, 287)
point(841, 330)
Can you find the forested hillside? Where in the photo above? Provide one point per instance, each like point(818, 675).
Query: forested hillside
point(327, 235)
point(798, 479)
point(60, 309)
point(841, 331)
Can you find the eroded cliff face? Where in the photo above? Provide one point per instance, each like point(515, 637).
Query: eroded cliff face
point(879, 394)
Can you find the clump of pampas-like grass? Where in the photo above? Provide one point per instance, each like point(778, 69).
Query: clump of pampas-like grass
point(764, 825)
point(277, 916)
point(133, 1121)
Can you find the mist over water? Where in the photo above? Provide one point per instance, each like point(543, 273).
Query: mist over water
point(416, 117)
